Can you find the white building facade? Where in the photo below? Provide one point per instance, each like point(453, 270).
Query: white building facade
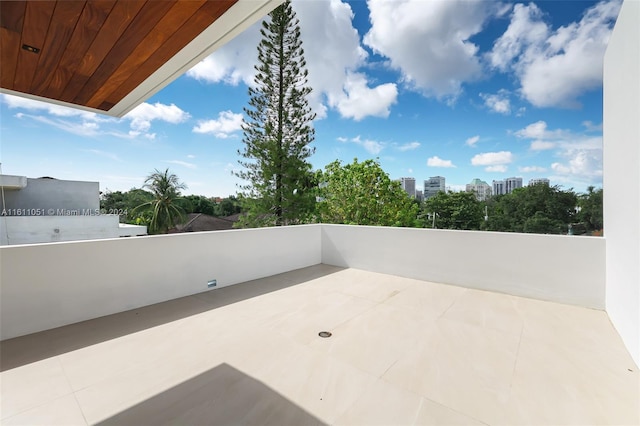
point(46, 210)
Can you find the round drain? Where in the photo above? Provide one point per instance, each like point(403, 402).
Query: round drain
point(324, 334)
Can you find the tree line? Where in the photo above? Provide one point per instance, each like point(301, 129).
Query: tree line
point(362, 193)
point(540, 209)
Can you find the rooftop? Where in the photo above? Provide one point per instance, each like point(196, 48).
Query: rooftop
point(402, 351)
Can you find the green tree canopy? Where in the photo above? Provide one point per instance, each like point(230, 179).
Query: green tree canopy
point(125, 203)
point(229, 206)
point(454, 210)
point(277, 128)
point(591, 209)
point(165, 207)
point(539, 208)
point(199, 204)
point(361, 193)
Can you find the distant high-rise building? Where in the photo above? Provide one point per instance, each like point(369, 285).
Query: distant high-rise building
point(433, 185)
point(419, 196)
point(543, 181)
point(480, 188)
point(506, 186)
point(512, 183)
point(409, 185)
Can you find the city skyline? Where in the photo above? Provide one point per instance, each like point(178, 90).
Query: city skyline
point(498, 90)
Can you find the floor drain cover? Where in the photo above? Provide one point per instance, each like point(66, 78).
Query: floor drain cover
point(324, 334)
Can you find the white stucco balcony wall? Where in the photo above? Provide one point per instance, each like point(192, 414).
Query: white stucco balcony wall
point(622, 175)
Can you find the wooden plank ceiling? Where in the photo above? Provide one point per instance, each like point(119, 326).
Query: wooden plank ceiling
point(93, 53)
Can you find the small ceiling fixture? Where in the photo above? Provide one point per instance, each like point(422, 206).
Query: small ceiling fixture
point(30, 48)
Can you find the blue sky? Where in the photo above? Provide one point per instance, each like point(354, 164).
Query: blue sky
point(461, 89)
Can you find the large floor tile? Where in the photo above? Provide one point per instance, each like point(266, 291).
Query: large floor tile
point(571, 325)
point(465, 367)
point(494, 311)
point(383, 404)
point(554, 384)
point(63, 411)
point(431, 299)
point(367, 285)
point(375, 339)
point(324, 386)
point(320, 312)
point(433, 414)
point(32, 385)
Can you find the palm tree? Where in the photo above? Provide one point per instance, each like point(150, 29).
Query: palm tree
point(165, 209)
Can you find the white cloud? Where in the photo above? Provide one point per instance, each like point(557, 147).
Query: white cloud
point(591, 127)
point(436, 161)
point(581, 153)
point(410, 146)
point(538, 130)
point(532, 169)
point(60, 111)
point(498, 102)
point(83, 128)
point(327, 31)
point(526, 28)
point(142, 115)
point(191, 156)
point(232, 63)
point(555, 67)
point(583, 164)
point(428, 42)
point(472, 141)
point(72, 120)
point(358, 101)
point(342, 139)
point(500, 168)
point(492, 158)
point(182, 163)
point(371, 146)
point(539, 145)
point(223, 127)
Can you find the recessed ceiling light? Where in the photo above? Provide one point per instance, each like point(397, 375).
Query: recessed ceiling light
point(30, 48)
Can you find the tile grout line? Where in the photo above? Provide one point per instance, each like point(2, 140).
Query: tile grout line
point(454, 410)
point(73, 391)
point(515, 363)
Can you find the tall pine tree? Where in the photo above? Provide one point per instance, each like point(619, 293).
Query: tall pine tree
point(277, 128)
